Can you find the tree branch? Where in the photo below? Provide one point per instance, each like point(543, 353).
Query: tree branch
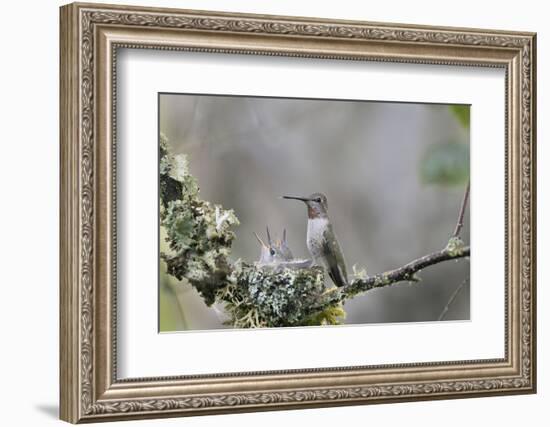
point(460, 220)
point(455, 249)
point(407, 273)
point(452, 299)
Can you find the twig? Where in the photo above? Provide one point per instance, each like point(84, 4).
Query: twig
point(460, 221)
point(402, 274)
point(451, 300)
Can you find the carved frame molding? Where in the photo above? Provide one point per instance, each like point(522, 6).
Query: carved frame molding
point(90, 37)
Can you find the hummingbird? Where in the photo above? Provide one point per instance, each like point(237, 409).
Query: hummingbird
point(274, 252)
point(321, 240)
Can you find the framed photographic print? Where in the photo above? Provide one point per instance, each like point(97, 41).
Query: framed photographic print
point(265, 212)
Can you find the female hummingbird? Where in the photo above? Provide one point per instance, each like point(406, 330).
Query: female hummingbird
point(321, 240)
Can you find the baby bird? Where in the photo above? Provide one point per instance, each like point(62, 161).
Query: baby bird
point(274, 252)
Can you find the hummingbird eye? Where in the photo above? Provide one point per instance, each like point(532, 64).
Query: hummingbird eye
point(318, 200)
point(272, 251)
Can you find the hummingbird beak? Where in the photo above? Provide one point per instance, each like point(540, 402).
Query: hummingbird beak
point(268, 236)
point(303, 199)
point(260, 240)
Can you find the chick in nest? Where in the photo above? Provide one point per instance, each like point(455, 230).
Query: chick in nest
point(278, 254)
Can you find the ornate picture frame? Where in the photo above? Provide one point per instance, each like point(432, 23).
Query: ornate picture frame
point(90, 37)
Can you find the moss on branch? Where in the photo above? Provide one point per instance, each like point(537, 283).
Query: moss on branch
point(273, 297)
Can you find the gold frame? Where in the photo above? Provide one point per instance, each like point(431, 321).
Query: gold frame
point(90, 36)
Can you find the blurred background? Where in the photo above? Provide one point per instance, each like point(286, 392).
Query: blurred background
point(394, 175)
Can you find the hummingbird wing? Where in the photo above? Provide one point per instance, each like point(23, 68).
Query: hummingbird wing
point(334, 258)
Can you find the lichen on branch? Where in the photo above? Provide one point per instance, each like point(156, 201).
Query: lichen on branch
point(265, 296)
point(200, 235)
